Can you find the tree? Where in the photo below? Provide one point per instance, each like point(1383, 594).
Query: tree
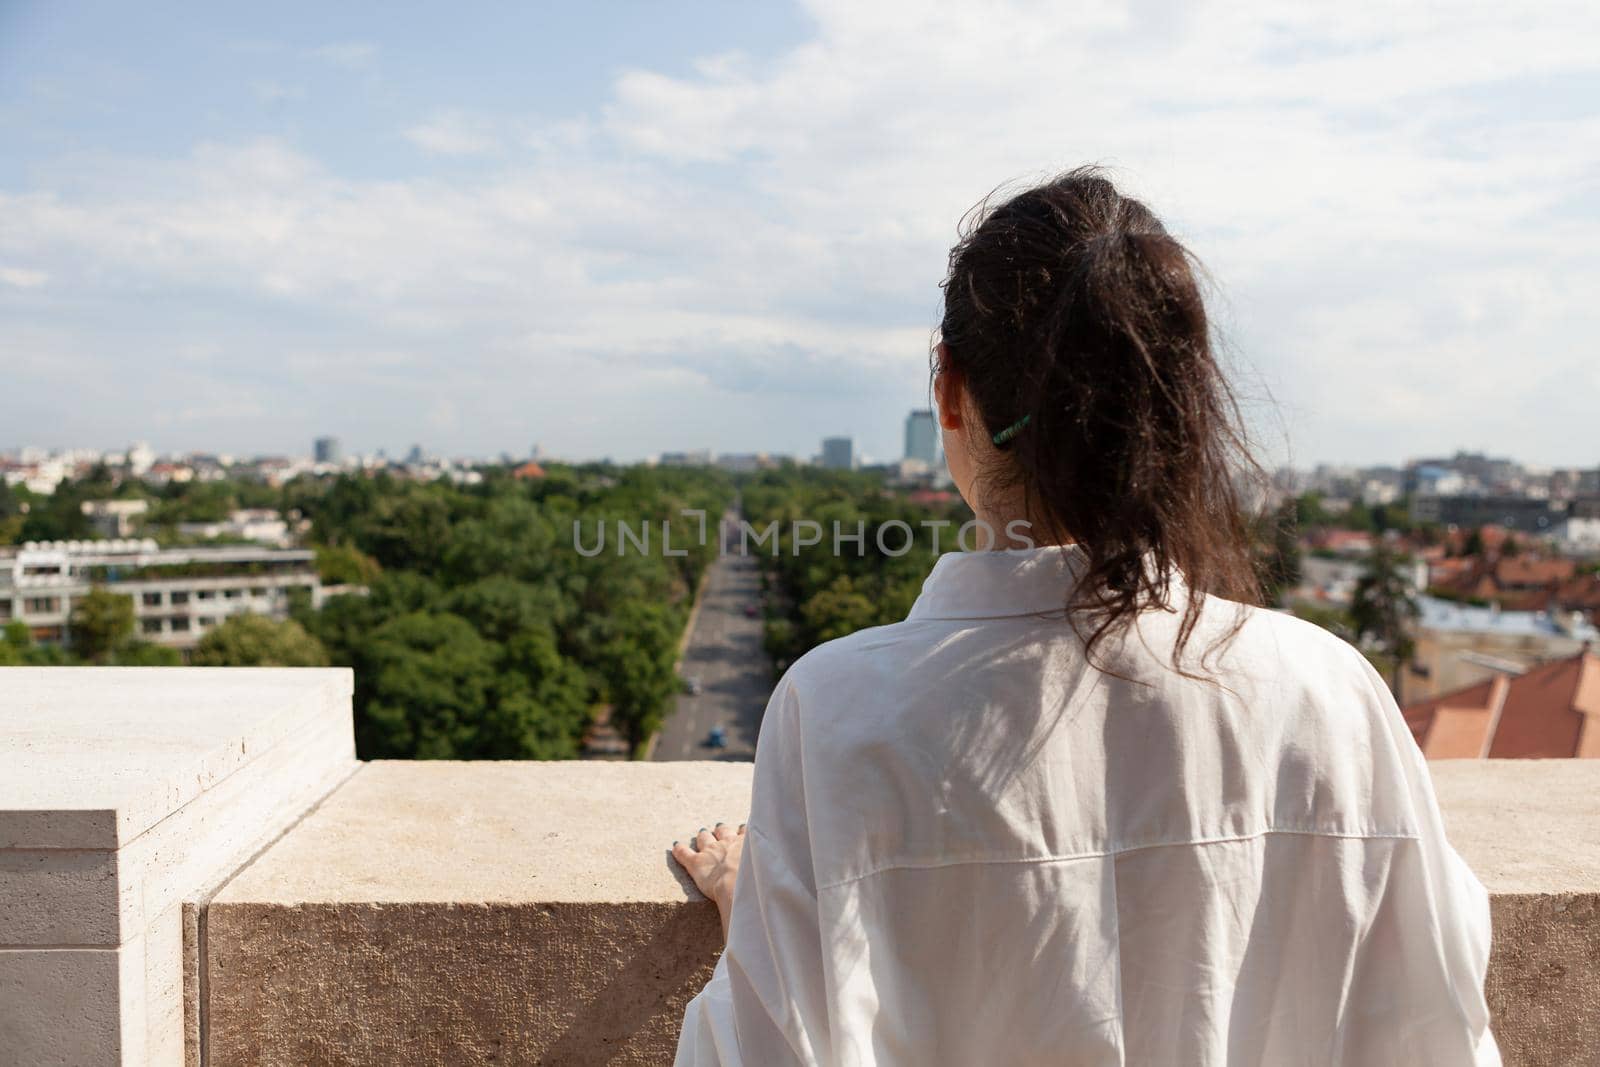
point(1310, 512)
point(1278, 563)
point(100, 624)
point(635, 665)
point(146, 654)
point(427, 680)
point(18, 649)
point(541, 701)
point(838, 610)
point(257, 641)
point(346, 565)
point(1357, 517)
point(1382, 608)
point(13, 513)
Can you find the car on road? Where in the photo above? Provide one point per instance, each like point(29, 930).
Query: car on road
point(749, 611)
point(717, 738)
point(694, 686)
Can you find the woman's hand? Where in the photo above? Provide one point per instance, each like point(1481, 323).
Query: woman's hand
point(712, 860)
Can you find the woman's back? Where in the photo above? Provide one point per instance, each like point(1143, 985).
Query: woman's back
point(1080, 807)
point(968, 845)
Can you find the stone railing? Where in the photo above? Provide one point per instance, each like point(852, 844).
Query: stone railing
point(193, 867)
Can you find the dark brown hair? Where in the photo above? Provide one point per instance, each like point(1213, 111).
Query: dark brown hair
point(1069, 305)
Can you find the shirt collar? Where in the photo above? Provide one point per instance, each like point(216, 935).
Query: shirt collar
point(1018, 581)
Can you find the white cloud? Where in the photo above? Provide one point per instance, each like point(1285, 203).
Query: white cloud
point(451, 133)
point(352, 55)
point(271, 92)
point(1397, 206)
point(23, 278)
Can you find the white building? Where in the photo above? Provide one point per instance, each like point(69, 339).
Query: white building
point(114, 518)
point(261, 525)
point(178, 594)
point(141, 457)
point(1577, 535)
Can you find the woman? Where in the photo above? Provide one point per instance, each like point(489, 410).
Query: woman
point(1085, 806)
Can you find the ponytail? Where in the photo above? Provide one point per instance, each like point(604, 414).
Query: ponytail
point(1070, 306)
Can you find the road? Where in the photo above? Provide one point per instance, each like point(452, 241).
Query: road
point(725, 654)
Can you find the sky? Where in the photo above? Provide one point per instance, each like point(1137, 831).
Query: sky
point(622, 228)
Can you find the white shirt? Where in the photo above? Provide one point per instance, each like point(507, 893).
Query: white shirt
point(967, 846)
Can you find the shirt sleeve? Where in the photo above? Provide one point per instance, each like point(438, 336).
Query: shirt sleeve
point(1432, 935)
point(766, 1001)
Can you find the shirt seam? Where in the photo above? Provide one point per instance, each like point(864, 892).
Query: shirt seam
point(1345, 835)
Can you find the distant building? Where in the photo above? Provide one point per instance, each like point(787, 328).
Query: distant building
point(327, 450)
point(528, 472)
point(262, 526)
point(39, 476)
point(742, 462)
point(699, 457)
point(1430, 479)
point(140, 458)
point(1550, 711)
point(1455, 641)
point(1580, 536)
point(922, 438)
point(169, 473)
point(178, 594)
point(1518, 513)
point(114, 518)
point(838, 453)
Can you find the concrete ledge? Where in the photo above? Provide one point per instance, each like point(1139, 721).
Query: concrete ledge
point(471, 913)
point(529, 913)
point(124, 793)
point(1530, 829)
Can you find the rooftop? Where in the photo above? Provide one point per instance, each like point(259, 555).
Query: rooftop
point(1448, 615)
point(1549, 712)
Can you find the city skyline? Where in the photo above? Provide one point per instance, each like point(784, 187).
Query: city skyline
point(1445, 472)
point(622, 236)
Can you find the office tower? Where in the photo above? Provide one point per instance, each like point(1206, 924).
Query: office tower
point(922, 437)
point(838, 453)
point(326, 450)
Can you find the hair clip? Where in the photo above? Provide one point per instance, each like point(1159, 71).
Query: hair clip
point(1011, 431)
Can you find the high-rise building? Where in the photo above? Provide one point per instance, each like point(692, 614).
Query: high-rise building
point(922, 437)
point(838, 453)
point(327, 450)
point(140, 459)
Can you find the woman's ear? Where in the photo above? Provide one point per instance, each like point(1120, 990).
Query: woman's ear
point(949, 391)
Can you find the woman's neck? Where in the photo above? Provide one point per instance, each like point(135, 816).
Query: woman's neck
point(1012, 526)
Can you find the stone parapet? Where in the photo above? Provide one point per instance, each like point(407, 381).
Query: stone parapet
point(126, 793)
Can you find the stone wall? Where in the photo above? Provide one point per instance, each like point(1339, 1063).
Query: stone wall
point(193, 865)
point(455, 913)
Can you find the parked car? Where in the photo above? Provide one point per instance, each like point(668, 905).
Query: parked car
point(749, 611)
point(694, 686)
point(718, 738)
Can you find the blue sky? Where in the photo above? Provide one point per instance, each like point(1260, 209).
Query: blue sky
point(622, 228)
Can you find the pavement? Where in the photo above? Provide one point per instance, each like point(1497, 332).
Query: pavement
point(725, 654)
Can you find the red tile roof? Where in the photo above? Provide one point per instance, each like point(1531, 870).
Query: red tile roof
point(1550, 712)
point(1523, 571)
